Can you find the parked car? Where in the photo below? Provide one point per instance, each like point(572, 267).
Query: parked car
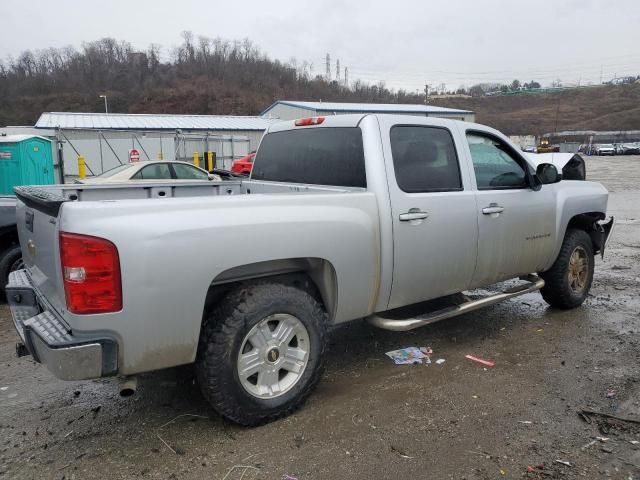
point(605, 149)
point(244, 164)
point(353, 216)
point(630, 149)
point(10, 254)
point(150, 171)
point(530, 149)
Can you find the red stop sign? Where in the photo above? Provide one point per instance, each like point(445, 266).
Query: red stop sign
point(134, 155)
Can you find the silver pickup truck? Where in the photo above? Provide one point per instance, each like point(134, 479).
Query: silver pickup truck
point(384, 217)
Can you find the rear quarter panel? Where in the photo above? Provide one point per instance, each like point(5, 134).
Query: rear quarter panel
point(171, 250)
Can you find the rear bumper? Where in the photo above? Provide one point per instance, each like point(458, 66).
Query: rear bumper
point(51, 342)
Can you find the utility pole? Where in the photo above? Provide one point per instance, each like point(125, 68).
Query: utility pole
point(106, 108)
point(328, 67)
point(338, 70)
point(346, 77)
point(426, 94)
point(600, 74)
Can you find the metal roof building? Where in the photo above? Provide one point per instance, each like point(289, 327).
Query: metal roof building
point(289, 110)
point(134, 121)
point(105, 139)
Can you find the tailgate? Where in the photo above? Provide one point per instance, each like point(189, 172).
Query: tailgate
point(37, 216)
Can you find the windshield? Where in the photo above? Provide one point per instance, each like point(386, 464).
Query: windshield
point(113, 171)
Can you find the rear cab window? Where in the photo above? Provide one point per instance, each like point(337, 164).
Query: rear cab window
point(322, 156)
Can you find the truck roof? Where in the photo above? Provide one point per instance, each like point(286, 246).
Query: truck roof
point(353, 119)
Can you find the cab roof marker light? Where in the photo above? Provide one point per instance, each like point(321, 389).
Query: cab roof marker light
point(305, 122)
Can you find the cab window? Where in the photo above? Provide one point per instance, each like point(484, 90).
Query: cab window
point(495, 166)
point(424, 159)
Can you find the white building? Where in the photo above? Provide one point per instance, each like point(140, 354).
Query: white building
point(104, 140)
point(290, 110)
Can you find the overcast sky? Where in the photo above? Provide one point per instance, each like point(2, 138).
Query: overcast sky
point(406, 43)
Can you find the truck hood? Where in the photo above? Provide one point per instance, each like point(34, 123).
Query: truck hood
point(557, 159)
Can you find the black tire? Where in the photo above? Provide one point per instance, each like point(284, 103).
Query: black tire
point(225, 327)
point(10, 260)
point(557, 290)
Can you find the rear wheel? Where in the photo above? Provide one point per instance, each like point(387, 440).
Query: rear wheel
point(10, 260)
point(568, 281)
point(261, 351)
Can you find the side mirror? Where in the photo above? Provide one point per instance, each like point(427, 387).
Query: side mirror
point(211, 176)
point(548, 173)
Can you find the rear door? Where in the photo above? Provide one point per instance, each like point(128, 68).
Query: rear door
point(516, 225)
point(433, 208)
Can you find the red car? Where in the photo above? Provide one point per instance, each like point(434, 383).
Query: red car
point(244, 165)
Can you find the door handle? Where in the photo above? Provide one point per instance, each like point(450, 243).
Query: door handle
point(407, 217)
point(493, 208)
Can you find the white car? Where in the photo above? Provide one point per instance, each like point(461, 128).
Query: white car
point(151, 171)
point(605, 149)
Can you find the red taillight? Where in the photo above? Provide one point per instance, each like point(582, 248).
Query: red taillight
point(305, 122)
point(91, 273)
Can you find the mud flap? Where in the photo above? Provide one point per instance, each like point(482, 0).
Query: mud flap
point(603, 232)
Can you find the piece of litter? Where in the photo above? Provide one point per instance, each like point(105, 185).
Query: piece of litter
point(502, 472)
point(525, 422)
point(602, 439)
point(4, 388)
point(590, 444)
point(440, 361)
point(539, 330)
point(634, 442)
point(410, 355)
point(611, 393)
point(563, 462)
point(488, 363)
point(530, 469)
point(289, 477)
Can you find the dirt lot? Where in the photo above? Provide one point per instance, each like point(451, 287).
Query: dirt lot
point(370, 418)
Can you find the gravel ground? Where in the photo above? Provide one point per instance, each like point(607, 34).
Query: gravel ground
point(370, 418)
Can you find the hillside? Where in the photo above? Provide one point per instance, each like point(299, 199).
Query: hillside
point(216, 76)
point(607, 107)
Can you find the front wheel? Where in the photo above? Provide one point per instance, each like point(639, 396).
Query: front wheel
point(568, 281)
point(261, 351)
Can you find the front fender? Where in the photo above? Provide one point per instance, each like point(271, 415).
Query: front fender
point(578, 200)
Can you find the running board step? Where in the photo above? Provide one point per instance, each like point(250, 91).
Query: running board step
point(534, 283)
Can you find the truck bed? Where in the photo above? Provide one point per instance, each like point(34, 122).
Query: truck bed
point(51, 197)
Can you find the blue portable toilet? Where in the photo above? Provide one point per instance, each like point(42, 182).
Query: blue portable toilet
point(24, 160)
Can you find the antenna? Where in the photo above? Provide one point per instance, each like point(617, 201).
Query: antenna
point(346, 77)
point(338, 70)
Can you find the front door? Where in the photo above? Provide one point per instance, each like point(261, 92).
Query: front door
point(516, 225)
point(434, 213)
